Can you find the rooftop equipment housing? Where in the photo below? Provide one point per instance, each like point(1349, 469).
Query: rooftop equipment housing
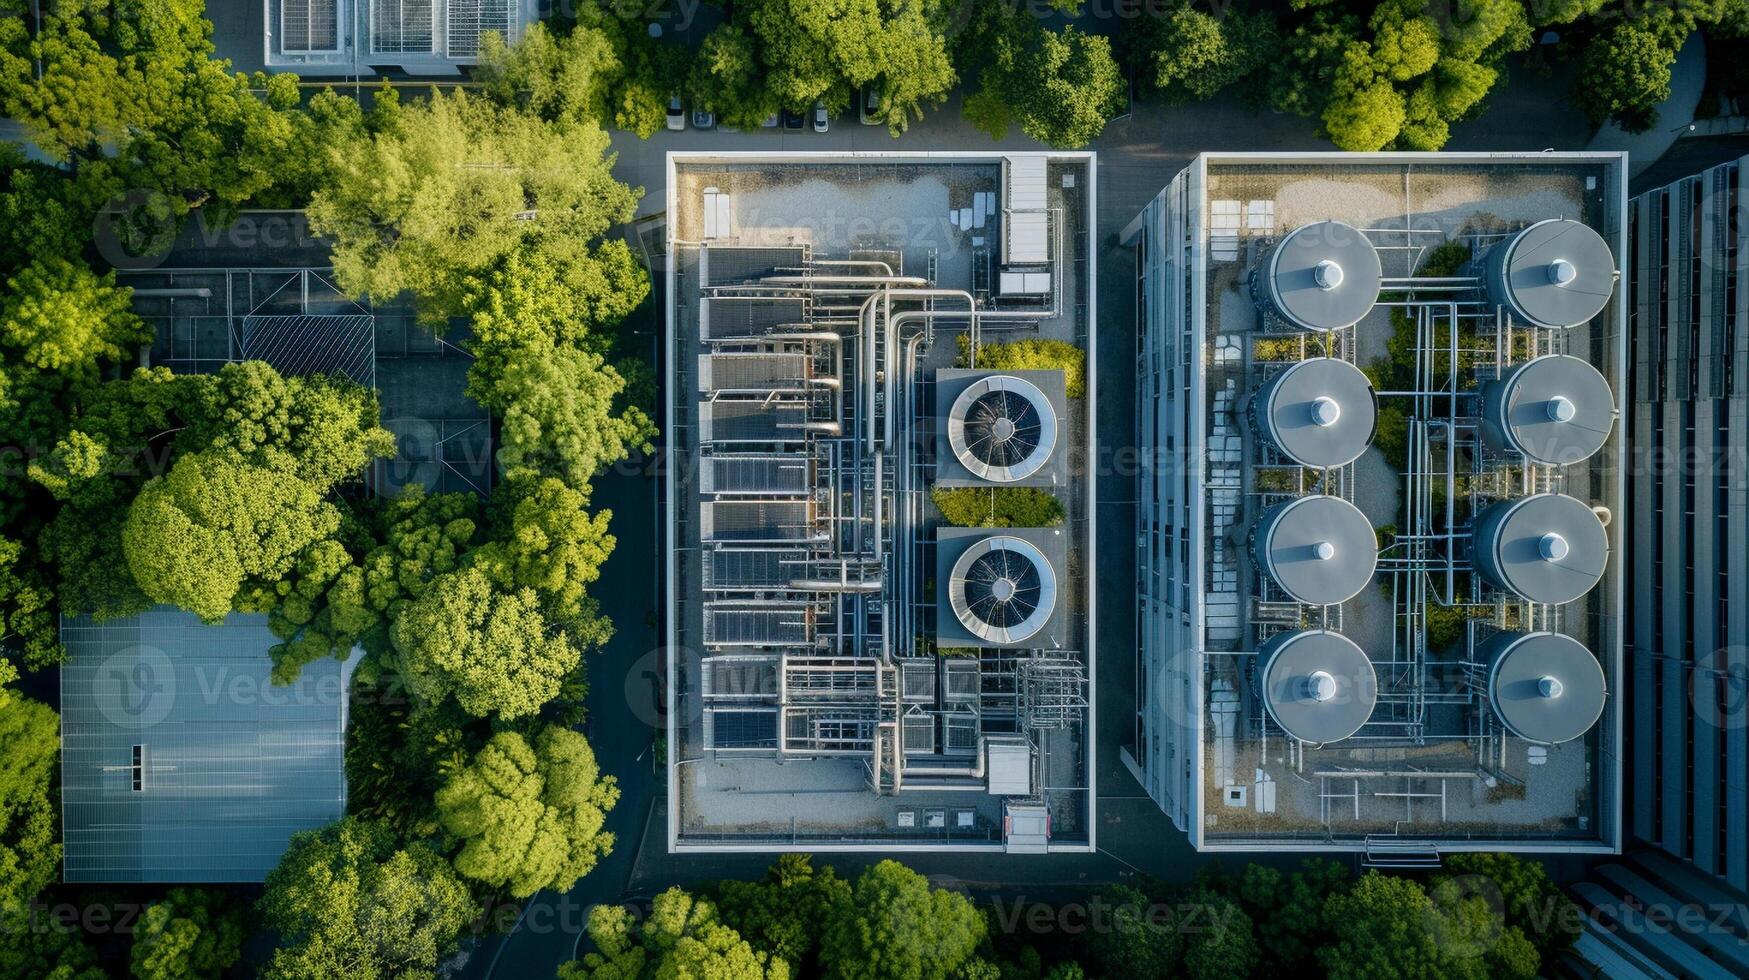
point(1321, 412)
point(1555, 273)
point(1548, 548)
point(1002, 428)
point(1318, 685)
point(1322, 276)
point(1555, 409)
point(1544, 687)
point(1320, 549)
point(1003, 589)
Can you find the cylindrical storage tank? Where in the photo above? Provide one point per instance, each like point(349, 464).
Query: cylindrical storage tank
point(1555, 409)
point(1322, 276)
point(1321, 550)
point(1317, 685)
point(1544, 687)
point(1549, 548)
point(1320, 412)
point(1555, 273)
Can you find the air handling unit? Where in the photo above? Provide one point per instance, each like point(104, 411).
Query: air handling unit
point(1556, 273)
point(999, 589)
point(1321, 276)
point(1000, 428)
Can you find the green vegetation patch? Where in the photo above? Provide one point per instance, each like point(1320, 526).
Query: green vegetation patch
point(998, 506)
point(1031, 354)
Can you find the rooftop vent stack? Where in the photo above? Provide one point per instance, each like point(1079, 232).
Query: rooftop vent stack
point(1003, 589)
point(1555, 273)
point(1543, 687)
point(1322, 276)
point(1320, 412)
point(1555, 409)
point(1002, 428)
point(1318, 685)
point(1548, 548)
point(1320, 549)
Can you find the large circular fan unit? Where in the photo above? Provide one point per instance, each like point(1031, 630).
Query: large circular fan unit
point(1003, 589)
point(1002, 428)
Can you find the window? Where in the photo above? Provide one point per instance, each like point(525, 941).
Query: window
point(139, 768)
point(309, 26)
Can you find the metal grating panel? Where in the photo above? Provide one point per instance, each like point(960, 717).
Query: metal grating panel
point(309, 25)
point(756, 520)
point(751, 569)
point(231, 766)
point(721, 265)
point(719, 372)
point(738, 677)
point(723, 421)
point(763, 473)
point(301, 345)
point(401, 26)
point(469, 19)
point(730, 317)
point(757, 626)
point(740, 728)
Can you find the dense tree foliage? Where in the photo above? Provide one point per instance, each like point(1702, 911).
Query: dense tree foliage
point(997, 506)
point(681, 937)
point(349, 902)
point(530, 815)
point(192, 934)
point(1058, 87)
point(785, 912)
point(30, 849)
point(896, 925)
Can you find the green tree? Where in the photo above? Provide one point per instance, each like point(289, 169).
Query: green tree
point(349, 904)
point(1060, 87)
point(552, 544)
point(454, 186)
point(560, 412)
point(1532, 902)
point(490, 650)
point(1388, 927)
point(30, 848)
point(530, 816)
point(728, 79)
point(559, 76)
point(320, 429)
point(785, 912)
point(29, 618)
point(1223, 944)
point(1138, 943)
point(195, 536)
point(896, 925)
point(1288, 911)
point(1187, 54)
point(681, 938)
point(192, 933)
point(43, 949)
point(60, 316)
point(1623, 75)
point(822, 50)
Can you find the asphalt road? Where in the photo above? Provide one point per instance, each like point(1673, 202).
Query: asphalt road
point(1137, 156)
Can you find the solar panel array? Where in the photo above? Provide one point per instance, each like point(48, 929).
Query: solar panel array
point(229, 766)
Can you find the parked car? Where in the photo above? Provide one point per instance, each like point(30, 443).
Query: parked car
point(821, 123)
point(872, 110)
point(703, 119)
point(793, 120)
point(772, 121)
point(676, 114)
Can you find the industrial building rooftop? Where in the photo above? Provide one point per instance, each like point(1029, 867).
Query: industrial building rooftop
point(1380, 600)
point(848, 668)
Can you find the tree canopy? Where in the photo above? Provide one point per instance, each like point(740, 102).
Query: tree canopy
point(896, 925)
point(681, 937)
point(530, 815)
point(192, 934)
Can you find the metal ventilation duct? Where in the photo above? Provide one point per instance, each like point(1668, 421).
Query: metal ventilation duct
point(1549, 548)
point(1544, 687)
point(1555, 409)
point(1002, 428)
point(1320, 549)
point(1322, 276)
point(1320, 412)
point(1555, 273)
point(1003, 589)
point(1317, 685)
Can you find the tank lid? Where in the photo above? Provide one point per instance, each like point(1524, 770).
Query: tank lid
point(1556, 409)
point(1317, 685)
point(1321, 550)
point(1558, 273)
point(1548, 548)
point(1320, 412)
point(1323, 276)
point(1545, 687)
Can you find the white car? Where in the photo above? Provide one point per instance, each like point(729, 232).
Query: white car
point(676, 114)
point(821, 123)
